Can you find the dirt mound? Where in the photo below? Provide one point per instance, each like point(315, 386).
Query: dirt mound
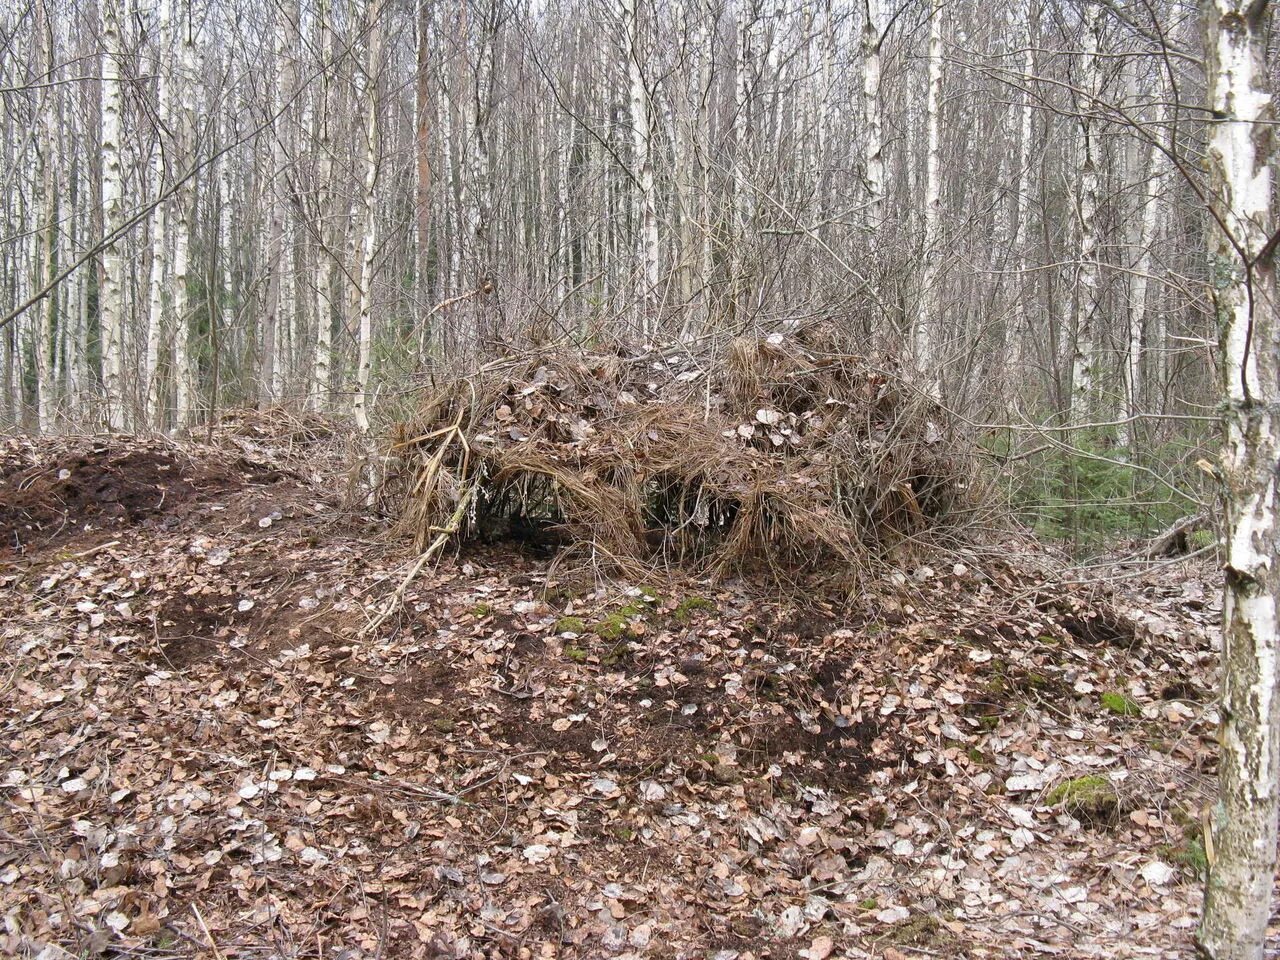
point(785, 454)
point(63, 490)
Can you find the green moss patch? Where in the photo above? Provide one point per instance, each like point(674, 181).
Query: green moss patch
point(1121, 705)
point(688, 607)
point(617, 625)
point(920, 930)
point(1091, 797)
point(571, 625)
point(481, 610)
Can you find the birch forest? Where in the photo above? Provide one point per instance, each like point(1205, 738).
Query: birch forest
point(720, 479)
point(209, 206)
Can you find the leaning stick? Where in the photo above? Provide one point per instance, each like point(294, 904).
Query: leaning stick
point(397, 598)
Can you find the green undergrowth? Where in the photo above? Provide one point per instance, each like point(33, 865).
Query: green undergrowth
point(1096, 491)
point(1190, 855)
point(1120, 704)
point(1091, 797)
point(643, 605)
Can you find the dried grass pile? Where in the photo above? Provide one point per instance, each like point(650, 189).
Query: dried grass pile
point(781, 453)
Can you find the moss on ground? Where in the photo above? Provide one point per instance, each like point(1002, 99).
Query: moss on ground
point(686, 608)
point(571, 625)
point(617, 625)
point(1091, 797)
point(1120, 704)
point(920, 930)
point(481, 610)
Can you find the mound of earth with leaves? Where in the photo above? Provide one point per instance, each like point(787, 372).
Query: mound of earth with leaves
point(209, 752)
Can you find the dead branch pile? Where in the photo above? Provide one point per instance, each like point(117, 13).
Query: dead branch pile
point(776, 453)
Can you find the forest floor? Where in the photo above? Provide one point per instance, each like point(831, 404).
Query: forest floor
point(206, 750)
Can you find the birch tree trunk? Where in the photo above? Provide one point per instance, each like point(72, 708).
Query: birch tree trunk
point(111, 291)
point(159, 226)
point(477, 174)
point(270, 362)
point(646, 212)
point(1083, 361)
point(748, 18)
point(422, 156)
point(926, 331)
point(184, 153)
point(1148, 224)
point(48, 322)
point(325, 234)
point(1239, 892)
point(872, 117)
point(1021, 193)
point(360, 399)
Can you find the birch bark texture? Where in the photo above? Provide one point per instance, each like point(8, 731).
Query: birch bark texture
point(369, 210)
point(873, 120)
point(646, 206)
point(111, 290)
point(49, 161)
point(926, 332)
point(1087, 298)
point(184, 367)
point(159, 225)
point(1239, 891)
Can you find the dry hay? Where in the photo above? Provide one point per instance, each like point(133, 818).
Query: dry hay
point(776, 454)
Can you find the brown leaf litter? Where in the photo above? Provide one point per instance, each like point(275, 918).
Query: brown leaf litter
point(203, 757)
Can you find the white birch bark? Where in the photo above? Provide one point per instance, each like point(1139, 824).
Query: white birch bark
point(477, 179)
point(184, 152)
point(1083, 361)
point(646, 208)
point(564, 156)
point(49, 159)
point(360, 398)
point(111, 292)
point(1148, 226)
point(1021, 193)
point(159, 225)
point(748, 17)
point(872, 112)
point(702, 149)
point(924, 348)
point(320, 396)
point(270, 362)
point(1240, 887)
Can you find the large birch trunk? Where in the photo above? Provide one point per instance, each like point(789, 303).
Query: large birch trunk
point(1021, 194)
point(271, 362)
point(926, 331)
point(1239, 892)
point(111, 291)
point(369, 240)
point(1083, 361)
point(325, 234)
point(646, 218)
point(159, 225)
point(872, 116)
point(48, 322)
point(184, 88)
